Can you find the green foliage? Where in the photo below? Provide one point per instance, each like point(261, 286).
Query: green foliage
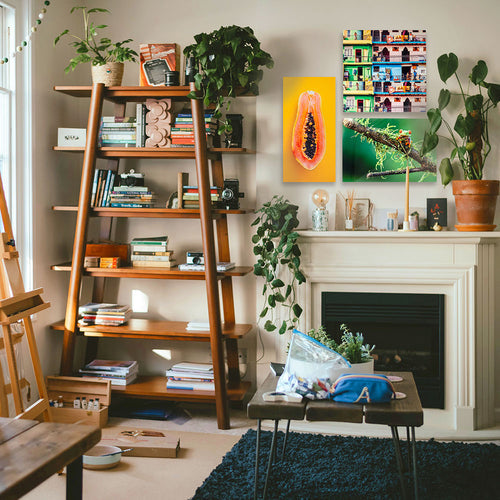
point(91, 49)
point(351, 346)
point(276, 247)
point(469, 135)
point(229, 59)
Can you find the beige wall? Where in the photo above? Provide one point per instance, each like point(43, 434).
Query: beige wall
point(305, 40)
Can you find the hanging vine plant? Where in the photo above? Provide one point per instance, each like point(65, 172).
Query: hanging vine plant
point(275, 245)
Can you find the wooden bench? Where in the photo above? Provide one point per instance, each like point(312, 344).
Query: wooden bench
point(31, 452)
point(405, 412)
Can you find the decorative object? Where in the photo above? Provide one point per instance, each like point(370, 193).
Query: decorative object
point(24, 43)
point(384, 71)
point(331, 466)
point(320, 213)
point(234, 137)
point(348, 210)
point(278, 256)
point(158, 123)
point(228, 62)
point(378, 150)
point(414, 221)
point(156, 60)
point(98, 52)
point(437, 213)
point(359, 213)
point(470, 138)
point(309, 129)
point(392, 221)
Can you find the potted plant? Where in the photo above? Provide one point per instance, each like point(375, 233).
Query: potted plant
point(351, 346)
point(107, 58)
point(278, 260)
point(475, 198)
point(228, 61)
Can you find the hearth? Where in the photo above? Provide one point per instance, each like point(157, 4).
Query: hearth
point(406, 328)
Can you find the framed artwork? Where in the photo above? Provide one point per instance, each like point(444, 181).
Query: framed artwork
point(360, 213)
point(437, 212)
point(309, 129)
point(378, 149)
point(384, 71)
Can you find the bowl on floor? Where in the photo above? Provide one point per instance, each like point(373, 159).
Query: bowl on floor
point(102, 457)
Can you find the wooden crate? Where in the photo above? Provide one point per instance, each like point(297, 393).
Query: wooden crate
point(70, 388)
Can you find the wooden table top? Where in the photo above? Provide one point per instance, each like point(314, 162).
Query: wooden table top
point(31, 452)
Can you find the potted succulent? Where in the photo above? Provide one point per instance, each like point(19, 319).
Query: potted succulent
point(107, 58)
point(475, 197)
point(228, 61)
point(278, 261)
point(351, 346)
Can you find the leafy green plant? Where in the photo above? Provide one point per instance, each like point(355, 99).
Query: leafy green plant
point(351, 346)
point(91, 49)
point(276, 248)
point(469, 136)
point(228, 60)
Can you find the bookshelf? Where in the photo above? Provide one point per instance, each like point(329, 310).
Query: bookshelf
point(224, 331)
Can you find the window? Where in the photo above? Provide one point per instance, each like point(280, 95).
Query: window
point(15, 128)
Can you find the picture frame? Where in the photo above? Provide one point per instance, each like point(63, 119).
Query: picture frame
point(437, 212)
point(361, 214)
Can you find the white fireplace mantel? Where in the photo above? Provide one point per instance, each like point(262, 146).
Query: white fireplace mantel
point(457, 264)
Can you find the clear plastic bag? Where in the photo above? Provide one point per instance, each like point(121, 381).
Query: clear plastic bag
point(311, 368)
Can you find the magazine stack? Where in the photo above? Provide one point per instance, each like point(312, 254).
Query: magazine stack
point(119, 372)
point(191, 377)
point(100, 313)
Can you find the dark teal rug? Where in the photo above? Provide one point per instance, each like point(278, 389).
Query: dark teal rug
point(349, 468)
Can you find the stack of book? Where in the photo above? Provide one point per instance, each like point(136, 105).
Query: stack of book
point(182, 133)
point(117, 131)
point(104, 181)
point(191, 377)
point(132, 197)
point(191, 196)
point(100, 313)
point(151, 252)
point(119, 372)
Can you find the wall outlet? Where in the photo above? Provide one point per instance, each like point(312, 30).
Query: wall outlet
point(242, 356)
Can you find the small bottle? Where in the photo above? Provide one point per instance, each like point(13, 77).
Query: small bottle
point(90, 406)
point(60, 401)
point(76, 402)
point(97, 404)
point(84, 403)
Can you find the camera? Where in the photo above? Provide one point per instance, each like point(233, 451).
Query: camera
point(195, 258)
point(131, 178)
point(230, 194)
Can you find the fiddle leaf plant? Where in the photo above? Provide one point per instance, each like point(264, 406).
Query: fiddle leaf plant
point(91, 49)
point(228, 60)
point(278, 261)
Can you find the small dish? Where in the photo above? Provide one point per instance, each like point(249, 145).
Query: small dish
point(102, 457)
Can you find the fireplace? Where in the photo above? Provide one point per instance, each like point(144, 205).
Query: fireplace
point(407, 330)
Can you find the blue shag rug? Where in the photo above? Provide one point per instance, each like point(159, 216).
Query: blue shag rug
point(351, 468)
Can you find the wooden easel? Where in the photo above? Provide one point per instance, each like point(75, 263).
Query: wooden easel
point(18, 305)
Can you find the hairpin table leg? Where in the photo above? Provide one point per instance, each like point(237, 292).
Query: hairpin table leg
point(399, 459)
point(286, 439)
point(271, 456)
point(257, 450)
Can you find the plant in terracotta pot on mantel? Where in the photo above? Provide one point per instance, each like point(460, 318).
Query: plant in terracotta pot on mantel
point(475, 198)
point(107, 58)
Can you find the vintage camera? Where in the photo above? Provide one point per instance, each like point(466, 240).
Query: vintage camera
point(230, 194)
point(195, 258)
point(131, 178)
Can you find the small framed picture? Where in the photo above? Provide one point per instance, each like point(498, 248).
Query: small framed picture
point(360, 213)
point(437, 212)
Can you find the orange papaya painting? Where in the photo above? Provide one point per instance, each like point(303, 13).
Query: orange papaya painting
point(309, 129)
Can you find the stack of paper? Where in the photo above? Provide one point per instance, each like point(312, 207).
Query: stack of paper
point(191, 377)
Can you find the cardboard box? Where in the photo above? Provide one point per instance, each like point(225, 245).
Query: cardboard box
point(155, 59)
point(144, 442)
point(70, 388)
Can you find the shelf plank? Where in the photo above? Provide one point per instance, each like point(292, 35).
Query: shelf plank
point(154, 213)
point(155, 387)
point(173, 153)
point(152, 272)
point(157, 330)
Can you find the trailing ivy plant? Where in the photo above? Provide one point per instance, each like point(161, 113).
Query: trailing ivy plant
point(228, 60)
point(90, 49)
point(278, 256)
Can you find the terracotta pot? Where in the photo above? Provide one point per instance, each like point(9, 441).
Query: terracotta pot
point(475, 202)
point(110, 74)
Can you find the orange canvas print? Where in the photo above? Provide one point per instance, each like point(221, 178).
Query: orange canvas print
point(308, 129)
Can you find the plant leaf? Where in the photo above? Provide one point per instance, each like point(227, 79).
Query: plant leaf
point(494, 93)
point(264, 312)
point(473, 102)
point(282, 329)
point(478, 73)
point(446, 171)
point(277, 283)
point(447, 65)
point(268, 326)
point(434, 116)
point(297, 310)
point(429, 143)
point(444, 98)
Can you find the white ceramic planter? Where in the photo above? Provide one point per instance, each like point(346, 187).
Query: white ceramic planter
point(366, 367)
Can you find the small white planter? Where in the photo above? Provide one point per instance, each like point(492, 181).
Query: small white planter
point(366, 367)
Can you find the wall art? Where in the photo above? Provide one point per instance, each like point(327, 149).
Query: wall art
point(378, 150)
point(437, 213)
point(384, 71)
point(308, 129)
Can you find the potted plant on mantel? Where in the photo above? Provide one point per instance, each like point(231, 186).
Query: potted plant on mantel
point(107, 58)
point(228, 62)
point(475, 198)
point(278, 261)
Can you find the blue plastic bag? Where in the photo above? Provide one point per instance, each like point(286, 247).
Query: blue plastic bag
point(362, 388)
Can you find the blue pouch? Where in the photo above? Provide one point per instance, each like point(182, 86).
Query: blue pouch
point(363, 388)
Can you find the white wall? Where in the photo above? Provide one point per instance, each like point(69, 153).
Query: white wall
point(305, 40)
